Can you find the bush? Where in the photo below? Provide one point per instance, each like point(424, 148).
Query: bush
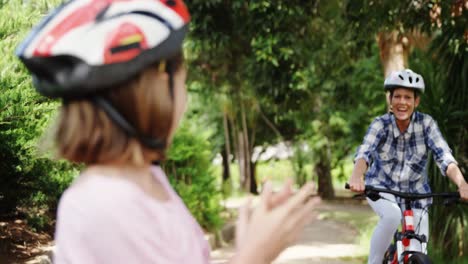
point(28, 181)
point(190, 171)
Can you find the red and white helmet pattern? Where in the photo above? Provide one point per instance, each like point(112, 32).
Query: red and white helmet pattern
point(124, 43)
point(85, 45)
point(406, 79)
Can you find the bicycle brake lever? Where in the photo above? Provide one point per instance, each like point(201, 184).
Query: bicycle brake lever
point(374, 196)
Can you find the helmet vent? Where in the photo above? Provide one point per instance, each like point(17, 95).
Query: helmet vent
point(405, 78)
point(171, 3)
point(102, 13)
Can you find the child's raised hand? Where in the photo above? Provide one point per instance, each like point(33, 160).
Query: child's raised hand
point(281, 196)
point(276, 222)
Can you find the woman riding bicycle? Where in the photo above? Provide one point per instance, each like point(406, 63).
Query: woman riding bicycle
point(394, 155)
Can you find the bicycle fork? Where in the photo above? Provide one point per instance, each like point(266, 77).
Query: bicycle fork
point(403, 239)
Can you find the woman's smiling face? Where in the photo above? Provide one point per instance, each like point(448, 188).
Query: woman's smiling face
point(403, 102)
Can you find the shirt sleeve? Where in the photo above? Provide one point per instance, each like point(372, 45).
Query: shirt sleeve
point(439, 147)
point(371, 140)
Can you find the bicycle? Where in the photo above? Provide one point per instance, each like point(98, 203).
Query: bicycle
point(398, 252)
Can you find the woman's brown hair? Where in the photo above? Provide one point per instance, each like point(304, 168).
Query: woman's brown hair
point(85, 134)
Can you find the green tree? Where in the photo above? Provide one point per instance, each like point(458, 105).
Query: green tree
point(189, 169)
point(344, 78)
point(278, 68)
point(249, 54)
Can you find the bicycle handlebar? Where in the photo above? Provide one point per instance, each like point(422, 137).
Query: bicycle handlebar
point(371, 190)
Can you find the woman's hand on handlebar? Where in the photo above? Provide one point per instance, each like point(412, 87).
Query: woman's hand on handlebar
point(356, 184)
point(463, 190)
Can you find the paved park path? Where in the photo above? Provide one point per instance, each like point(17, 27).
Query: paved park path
point(330, 239)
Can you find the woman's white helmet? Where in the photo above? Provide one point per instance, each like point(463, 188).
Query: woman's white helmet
point(405, 79)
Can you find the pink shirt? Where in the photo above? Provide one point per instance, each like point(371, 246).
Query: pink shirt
point(109, 220)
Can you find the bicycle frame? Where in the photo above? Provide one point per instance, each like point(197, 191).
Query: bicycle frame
point(402, 239)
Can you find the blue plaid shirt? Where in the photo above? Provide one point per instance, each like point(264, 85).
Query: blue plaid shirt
point(397, 161)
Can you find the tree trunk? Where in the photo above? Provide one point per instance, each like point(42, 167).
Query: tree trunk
point(253, 178)
point(394, 50)
point(252, 163)
point(226, 153)
point(241, 159)
point(325, 186)
point(323, 172)
point(226, 171)
point(245, 161)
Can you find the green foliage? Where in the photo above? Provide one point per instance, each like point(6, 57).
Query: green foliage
point(189, 169)
point(346, 79)
point(255, 61)
point(299, 160)
point(367, 16)
point(287, 63)
point(28, 180)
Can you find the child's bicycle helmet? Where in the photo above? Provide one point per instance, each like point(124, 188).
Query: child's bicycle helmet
point(86, 46)
point(405, 79)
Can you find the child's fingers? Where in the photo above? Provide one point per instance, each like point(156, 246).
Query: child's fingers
point(300, 198)
point(267, 193)
point(281, 196)
point(242, 222)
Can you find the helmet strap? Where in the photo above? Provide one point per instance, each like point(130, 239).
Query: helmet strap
point(170, 72)
point(120, 121)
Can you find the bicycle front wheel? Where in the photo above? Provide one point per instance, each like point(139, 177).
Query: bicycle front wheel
point(419, 258)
